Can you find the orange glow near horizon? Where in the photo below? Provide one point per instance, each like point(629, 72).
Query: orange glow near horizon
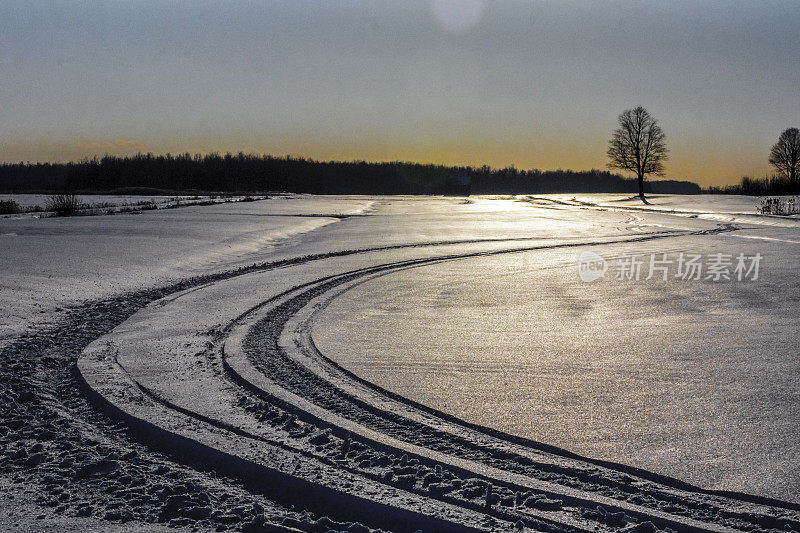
point(693, 162)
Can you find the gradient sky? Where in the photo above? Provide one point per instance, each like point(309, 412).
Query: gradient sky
point(534, 84)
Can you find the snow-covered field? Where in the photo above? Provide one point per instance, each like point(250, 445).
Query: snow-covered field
point(402, 363)
point(51, 263)
point(40, 205)
point(40, 200)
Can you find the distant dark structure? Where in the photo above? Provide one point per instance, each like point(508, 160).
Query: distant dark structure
point(148, 173)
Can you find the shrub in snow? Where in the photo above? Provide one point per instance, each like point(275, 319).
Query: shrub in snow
point(9, 207)
point(63, 204)
point(775, 205)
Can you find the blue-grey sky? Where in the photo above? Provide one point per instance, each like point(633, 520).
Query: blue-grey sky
point(534, 84)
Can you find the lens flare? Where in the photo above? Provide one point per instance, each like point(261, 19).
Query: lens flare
point(457, 16)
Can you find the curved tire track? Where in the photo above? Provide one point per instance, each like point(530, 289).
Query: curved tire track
point(262, 346)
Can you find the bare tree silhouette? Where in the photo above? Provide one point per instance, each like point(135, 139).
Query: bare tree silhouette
point(637, 145)
point(785, 155)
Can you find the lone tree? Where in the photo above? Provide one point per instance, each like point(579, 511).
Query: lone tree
point(637, 145)
point(785, 155)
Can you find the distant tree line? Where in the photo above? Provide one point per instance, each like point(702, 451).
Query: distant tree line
point(766, 186)
point(785, 159)
point(248, 172)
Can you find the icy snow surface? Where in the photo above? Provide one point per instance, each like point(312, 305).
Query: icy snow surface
point(695, 379)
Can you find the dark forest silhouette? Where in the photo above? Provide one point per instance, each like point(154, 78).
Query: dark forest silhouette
point(766, 186)
point(247, 172)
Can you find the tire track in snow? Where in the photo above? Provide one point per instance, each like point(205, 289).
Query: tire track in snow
point(301, 383)
point(279, 367)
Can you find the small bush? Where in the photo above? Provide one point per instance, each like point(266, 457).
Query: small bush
point(775, 205)
point(9, 207)
point(63, 204)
